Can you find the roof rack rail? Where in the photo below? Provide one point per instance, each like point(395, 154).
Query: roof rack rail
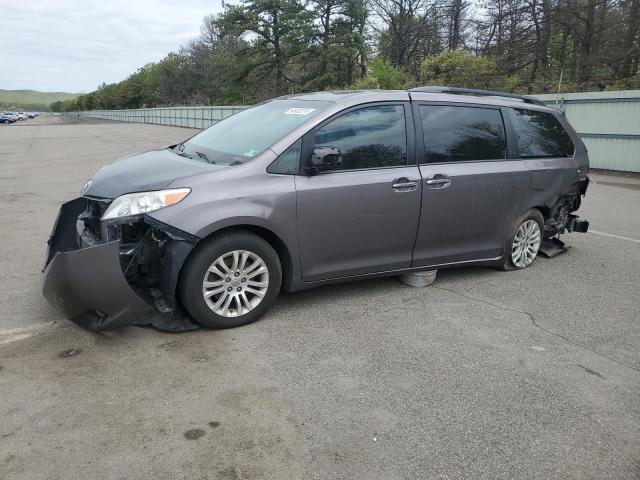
point(475, 91)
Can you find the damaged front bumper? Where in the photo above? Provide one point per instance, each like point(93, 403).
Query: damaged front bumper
point(108, 285)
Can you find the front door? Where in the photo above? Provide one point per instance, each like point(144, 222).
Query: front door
point(358, 211)
point(474, 187)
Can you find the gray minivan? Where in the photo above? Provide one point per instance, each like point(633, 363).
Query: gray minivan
point(311, 189)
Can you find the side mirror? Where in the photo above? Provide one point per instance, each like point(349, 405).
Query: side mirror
point(324, 157)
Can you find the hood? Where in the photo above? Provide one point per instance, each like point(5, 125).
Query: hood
point(146, 171)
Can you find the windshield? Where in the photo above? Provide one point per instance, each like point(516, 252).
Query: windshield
point(239, 138)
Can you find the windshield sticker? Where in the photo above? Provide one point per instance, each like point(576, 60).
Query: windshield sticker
point(299, 111)
point(250, 153)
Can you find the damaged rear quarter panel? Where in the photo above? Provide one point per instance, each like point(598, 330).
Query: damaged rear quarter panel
point(558, 184)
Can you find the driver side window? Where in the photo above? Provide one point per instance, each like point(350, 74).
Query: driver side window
point(370, 137)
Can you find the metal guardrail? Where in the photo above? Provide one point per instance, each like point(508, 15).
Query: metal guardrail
point(608, 122)
point(191, 117)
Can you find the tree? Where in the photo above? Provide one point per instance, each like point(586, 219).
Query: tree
point(456, 68)
point(407, 32)
point(338, 33)
point(382, 74)
point(259, 49)
point(456, 11)
point(631, 45)
point(281, 29)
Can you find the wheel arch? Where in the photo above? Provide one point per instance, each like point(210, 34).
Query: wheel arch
point(543, 209)
point(272, 238)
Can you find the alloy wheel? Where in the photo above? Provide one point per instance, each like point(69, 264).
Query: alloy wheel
point(235, 283)
point(526, 244)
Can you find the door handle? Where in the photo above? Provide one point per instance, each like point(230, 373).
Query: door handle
point(404, 185)
point(438, 181)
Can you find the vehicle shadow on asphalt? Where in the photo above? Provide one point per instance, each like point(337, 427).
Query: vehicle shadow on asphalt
point(376, 286)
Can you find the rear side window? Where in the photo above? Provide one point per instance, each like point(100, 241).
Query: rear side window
point(459, 134)
point(540, 134)
point(370, 137)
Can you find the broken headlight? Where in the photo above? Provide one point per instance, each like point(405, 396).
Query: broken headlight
point(143, 202)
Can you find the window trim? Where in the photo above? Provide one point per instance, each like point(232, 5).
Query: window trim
point(420, 138)
point(307, 138)
point(297, 170)
point(539, 157)
point(513, 149)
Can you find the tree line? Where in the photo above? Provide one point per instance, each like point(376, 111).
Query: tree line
point(24, 107)
point(259, 49)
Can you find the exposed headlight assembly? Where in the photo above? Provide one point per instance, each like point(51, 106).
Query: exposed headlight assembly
point(143, 202)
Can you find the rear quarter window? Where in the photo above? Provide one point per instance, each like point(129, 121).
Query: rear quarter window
point(540, 134)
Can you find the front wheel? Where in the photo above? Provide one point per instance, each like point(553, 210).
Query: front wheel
point(230, 280)
point(525, 240)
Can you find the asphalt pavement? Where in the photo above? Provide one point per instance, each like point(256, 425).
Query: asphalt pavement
point(532, 374)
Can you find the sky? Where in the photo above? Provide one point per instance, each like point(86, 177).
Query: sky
point(75, 45)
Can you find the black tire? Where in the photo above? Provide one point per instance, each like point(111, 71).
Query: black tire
point(190, 287)
point(506, 263)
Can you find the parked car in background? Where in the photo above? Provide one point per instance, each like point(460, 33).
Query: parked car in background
point(7, 118)
point(20, 116)
point(311, 189)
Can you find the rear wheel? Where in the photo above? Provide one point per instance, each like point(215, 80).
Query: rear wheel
point(524, 243)
point(230, 280)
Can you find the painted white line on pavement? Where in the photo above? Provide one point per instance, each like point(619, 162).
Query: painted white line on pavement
point(620, 237)
point(18, 331)
point(15, 338)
